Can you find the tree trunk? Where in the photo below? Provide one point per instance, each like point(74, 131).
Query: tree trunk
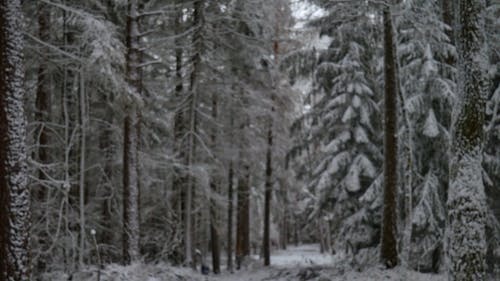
point(83, 124)
point(215, 245)
point(106, 147)
point(284, 220)
point(267, 196)
point(42, 139)
point(42, 103)
point(230, 218)
point(321, 236)
point(243, 215)
point(179, 176)
point(198, 21)
point(14, 191)
point(466, 241)
point(389, 253)
point(296, 230)
point(131, 250)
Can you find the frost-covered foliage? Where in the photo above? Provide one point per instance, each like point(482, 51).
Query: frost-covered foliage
point(341, 128)
point(428, 91)
point(491, 158)
point(427, 224)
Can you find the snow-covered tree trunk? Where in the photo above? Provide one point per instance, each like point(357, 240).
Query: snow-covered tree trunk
point(466, 241)
point(130, 188)
point(389, 253)
point(14, 192)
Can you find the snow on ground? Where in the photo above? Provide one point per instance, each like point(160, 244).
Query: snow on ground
point(303, 263)
point(301, 256)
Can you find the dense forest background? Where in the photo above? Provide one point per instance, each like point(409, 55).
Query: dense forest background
point(174, 130)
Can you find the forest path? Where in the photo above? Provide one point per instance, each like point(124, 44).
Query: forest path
point(296, 263)
point(306, 263)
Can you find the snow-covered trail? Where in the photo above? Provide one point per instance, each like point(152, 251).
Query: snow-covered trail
point(302, 263)
point(307, 263)
point(295, 263)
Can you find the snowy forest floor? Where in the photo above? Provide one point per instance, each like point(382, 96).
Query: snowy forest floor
point(296, 263)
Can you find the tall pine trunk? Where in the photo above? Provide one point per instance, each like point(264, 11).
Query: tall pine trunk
point(230, 217)
point(198, 21)
point(389, 253)
point(14, 192)
point(42, 103)
point(267, 196)
point(131, 249)
point(243, 213)
point(42, 136)
point(107, 149)
point(179, 177)
point(214, 233)
point(466, 241)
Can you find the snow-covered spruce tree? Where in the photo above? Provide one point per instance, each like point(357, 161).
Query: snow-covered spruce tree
point(465, 232)
point(427, 91)
point(341, 129)
point(14, 192)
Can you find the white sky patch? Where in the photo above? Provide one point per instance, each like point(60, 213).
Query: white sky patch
point(304, 11)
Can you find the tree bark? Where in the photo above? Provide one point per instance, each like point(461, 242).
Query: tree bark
point(214, 235)
point(106, 147)
point(14, 191)
point(179, 176)
point(243, 215)
point(230, 218)
point(198, 21)
point(389, 254)
point(42, 103)
point(284, 220)
point(42, 117)
point(131, 249)
point(267, 196)
point(83, 124)
point(466, 238)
